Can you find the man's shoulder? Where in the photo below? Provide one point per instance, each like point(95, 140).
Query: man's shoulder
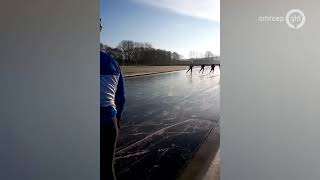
point(108, 65)
point(106, 56)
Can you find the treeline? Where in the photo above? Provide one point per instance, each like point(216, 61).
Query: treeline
point(136, 53)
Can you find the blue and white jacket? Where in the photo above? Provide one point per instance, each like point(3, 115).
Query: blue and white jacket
point(112, 93)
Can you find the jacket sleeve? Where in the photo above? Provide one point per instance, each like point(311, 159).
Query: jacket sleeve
point(120, 96)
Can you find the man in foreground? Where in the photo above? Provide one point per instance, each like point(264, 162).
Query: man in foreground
point(112, 102)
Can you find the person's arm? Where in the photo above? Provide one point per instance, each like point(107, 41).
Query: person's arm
point(120, 97)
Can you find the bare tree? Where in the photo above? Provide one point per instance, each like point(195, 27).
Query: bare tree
point(208, 54)
point(136, 53)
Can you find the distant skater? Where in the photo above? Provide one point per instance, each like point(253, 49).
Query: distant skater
point(202, 68)
point(190, 68)
point(212, 68)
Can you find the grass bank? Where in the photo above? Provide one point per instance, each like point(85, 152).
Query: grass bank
point(140, 70)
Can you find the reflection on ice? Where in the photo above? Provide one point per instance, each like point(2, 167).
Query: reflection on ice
point(166, 118)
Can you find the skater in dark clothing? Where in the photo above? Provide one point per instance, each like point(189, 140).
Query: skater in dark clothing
point(202, 68)
point(212, 68)
point(190, 68)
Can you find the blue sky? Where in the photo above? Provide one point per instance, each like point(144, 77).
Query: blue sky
point(175, 25)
